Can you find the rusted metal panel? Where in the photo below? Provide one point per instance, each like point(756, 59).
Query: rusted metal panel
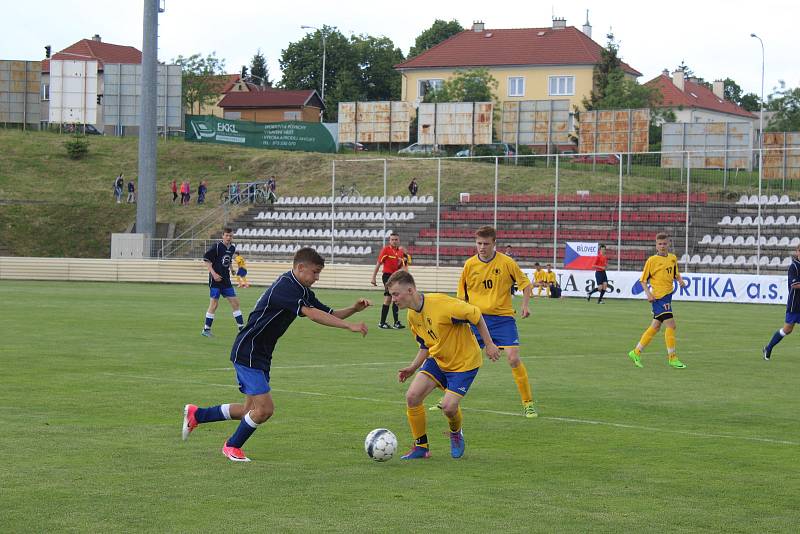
point(455, 123)
point(620, 130)
point(374, 122)
point(20, 87)
point(713, 145)
point(535, 122)
point(782, 155)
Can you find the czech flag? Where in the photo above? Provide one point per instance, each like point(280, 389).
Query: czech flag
point(580, 255)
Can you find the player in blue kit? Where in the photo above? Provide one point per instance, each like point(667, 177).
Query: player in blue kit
point(286, 299)
point(218, 261)
point(792, 306)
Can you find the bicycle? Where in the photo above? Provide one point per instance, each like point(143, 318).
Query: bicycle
point(351, 191)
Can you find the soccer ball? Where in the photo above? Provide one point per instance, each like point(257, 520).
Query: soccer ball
point(380, 444)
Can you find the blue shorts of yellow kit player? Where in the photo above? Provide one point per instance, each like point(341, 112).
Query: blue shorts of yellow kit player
point(252, 381)
point(502, 328)
point(241, 272)
point(457, 382)
point(226, 292)
point(662, 308)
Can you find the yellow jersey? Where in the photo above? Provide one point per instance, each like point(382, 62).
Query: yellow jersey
point(538, 276)
point(549, 278)
point(487, 284)
point(240, 263)
point(441, 327)
point(660, 271)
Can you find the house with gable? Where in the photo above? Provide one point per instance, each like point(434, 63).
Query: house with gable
point(693, 101)
point(556, 62)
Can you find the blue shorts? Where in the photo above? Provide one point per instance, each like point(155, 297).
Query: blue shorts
point(502, 328)
point(600, 277)
point(792, 318)
point(662, 306)
point(226, 292)
point(252, 381)
point(241, 272)
point(456, 382)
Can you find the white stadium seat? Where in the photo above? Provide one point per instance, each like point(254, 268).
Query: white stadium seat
point(752, 260)
point(773, 199)
point(738, 241)
point(753, 200)
point(784, 200)
point(795, 241)
point(717, 240)
point(775, 262)
point(706, 240)
point(729, 260)
point(742, 200)
point(764, 261)
point(695, 259)
point(780, 220)
point(706, 260)
point(740, 260)
point(769, 221)
point(772, 242)
point(750, 241)
point(746, 221)
point(784, 242)
point(787, 261)
point(727, 241)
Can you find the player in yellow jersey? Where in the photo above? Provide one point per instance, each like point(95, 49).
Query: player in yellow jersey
point(487, 281)
point(538, 278)
point(449, 357)
point(241, 270)
point(549, 278)
point(657, 278)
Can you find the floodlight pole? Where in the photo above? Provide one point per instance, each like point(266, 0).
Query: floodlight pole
point(760, 158)
point(146, 204)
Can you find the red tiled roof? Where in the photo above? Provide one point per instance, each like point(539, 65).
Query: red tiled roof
point(268, 98)
point(86, 49)
point(520, 46)
point(227, 82)
point(694, 95)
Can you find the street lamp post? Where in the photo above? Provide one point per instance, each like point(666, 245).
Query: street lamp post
point(760, 156)
point(322, 35)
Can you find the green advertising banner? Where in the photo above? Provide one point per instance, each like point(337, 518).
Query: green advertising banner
point(289, 135)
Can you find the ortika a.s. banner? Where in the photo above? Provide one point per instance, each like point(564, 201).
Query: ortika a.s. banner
point(288, 135)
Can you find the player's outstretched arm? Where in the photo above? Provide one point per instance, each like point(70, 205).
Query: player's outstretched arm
point(491, 349)
point(328, 319)
point(360, 305)
point(406, 372)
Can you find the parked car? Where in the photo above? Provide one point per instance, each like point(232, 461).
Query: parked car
point(602, 159)
point(353, 147)
point(421, 150)
point(493, 149)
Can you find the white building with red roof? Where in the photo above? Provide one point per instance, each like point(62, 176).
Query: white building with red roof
point(692, 101)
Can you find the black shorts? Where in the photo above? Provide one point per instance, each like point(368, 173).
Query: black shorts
point(600, 277)
point(385, 278)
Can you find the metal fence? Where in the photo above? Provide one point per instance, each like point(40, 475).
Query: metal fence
point(720, 219)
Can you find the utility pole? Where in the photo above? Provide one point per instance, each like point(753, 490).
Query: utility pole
point(146, 203)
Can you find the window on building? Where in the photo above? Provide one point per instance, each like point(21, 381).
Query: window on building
point(292, 116)
point(45, 91)
point(426, 86)
point(516, 86)
point(562, 85)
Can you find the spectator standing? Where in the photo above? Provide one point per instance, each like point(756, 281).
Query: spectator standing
point(174, 190)
point(413, 187)
point(118, 183)
point(201, 192)
point(131, 193)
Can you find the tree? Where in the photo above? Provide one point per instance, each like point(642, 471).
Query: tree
point(438, 32)
point(474, 85)
point(259, 72)
point(199, 84)
point(750, 102)
point(376, 58)
point(785, 102)
point(612, 89)
point(733, 93)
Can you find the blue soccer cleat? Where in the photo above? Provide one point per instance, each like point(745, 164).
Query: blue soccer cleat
point(457, 444)
point(206, 332)
point(417, 453)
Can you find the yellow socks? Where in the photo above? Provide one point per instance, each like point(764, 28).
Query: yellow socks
point(669, 339)
point(455, 422)
point(520, 374)
point(418, 422)
point(645, 340)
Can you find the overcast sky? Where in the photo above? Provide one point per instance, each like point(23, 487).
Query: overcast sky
point(711, 36)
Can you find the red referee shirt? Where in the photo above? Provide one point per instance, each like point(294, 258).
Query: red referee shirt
point(600, 263)
point(391, 258)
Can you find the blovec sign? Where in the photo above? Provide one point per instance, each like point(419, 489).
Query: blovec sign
point(289, 135)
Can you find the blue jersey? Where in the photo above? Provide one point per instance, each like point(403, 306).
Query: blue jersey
point(220, 258)
point(277, 308)
point(793, 302)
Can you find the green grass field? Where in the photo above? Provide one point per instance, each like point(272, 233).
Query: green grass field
point(95, 375)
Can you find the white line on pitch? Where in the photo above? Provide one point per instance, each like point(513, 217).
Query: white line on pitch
point(480, 410)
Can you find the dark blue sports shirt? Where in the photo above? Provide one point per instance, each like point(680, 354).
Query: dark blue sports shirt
point(220, 258)
point(793, 302)
point(275, 310)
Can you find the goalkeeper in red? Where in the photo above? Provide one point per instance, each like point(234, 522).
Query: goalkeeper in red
point(660, 271)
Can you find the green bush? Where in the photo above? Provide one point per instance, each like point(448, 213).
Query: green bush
point(77, 147)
